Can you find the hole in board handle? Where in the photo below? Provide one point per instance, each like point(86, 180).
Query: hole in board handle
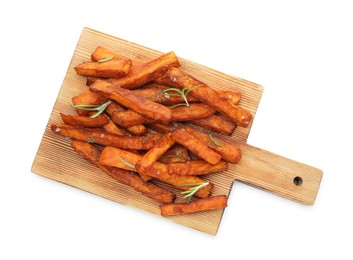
point(297, 181)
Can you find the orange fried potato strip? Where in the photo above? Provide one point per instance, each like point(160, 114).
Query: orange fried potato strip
point(216, 124)
point(194, 145)
point(233, 96)
point(84, 121)
point(152, 155)
point(87, 98)
point(175, 154)
point(119, 158)
point(140, 75)
point(111, 156)
point(154, 91)
point(101, 53)
point(227, 151)
point(161, 128)
point(183, 113)
point(130, 100)
point(161, 172)
point(137, 129)
point(191, 112)
point(197, 167)
point(91, 153)
point(112, 111)
point(104, 138)
point(107, 69)
point(111, 127)
point(179, 79)
point(146, 188)
point(211, 203)
point(129, 118)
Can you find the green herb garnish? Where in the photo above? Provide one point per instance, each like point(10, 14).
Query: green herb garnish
point(214, 141)
point(98, 108)
point(106, 59)
point(178, 105)
point(179, 93)
point(127, 163)
point(190, 192)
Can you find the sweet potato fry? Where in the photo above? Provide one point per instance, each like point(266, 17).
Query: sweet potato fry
point(129, 118)
point(196, 167)
point(87, 151)
point(107, 69)
point(227, 151)
point(194, 145)
point(113, 109)
point(161, 128)
point(152, 155)
point(101, 53)
point(182, 113)
point(130, 100)
point(91, 153)
point(84, 121)
point(216, 124)
point(233, 96)
point(104, 138)
point(119, 158)
point(111, 127)
point(122, 159)
point(138, 130)
point(191, 112)
point(179, 79)
point(110, 156)
point(154, 91)
point(211, 203)
point(175, 154)
point(140, 75)
point(160, 171)
point(146, 188)
point(91, 80)
point(87, 98)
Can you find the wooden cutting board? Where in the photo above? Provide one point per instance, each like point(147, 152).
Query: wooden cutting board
point(56, 159)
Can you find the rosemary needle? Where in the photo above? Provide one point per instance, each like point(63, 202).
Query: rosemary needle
point(127, 163)
point(179, 93)
point(214, 141)
point(99, 108)
point(190, 192)
point(178, 105)
point(106, 59)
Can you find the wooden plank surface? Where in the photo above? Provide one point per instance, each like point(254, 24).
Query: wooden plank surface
point(56, 159)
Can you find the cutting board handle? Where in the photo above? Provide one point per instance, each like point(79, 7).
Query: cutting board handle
point(277, 174)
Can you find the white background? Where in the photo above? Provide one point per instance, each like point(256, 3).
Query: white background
point(300, 51)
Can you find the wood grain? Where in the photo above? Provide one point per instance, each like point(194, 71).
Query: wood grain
point(56, 159)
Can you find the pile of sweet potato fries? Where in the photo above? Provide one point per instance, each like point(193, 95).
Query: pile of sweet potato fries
point(136, 122)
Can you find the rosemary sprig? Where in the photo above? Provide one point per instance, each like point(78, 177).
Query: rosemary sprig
point(106, 59)
point(98, 108)
point(190, 192)
point(127, 163)
point(178, 105)
point(214, 141)
point(179, 93)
